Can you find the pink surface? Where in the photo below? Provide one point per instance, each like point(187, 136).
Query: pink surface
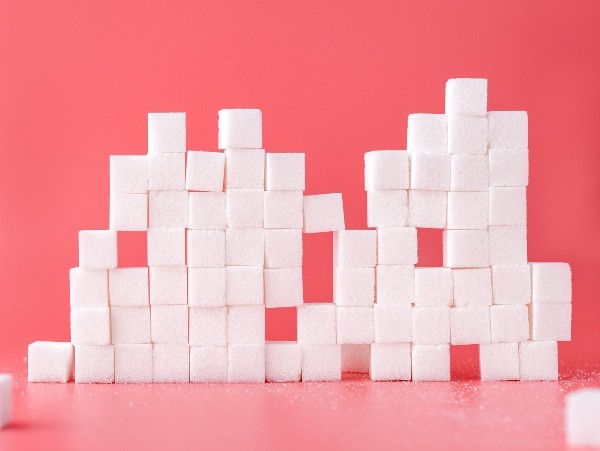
point(334, 79)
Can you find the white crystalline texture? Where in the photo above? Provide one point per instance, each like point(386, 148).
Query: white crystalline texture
point(466, 248)
point(133, 363)
point(207, 211)
point(355, 325)
point(245, 247)
point(168, 285)
point(431, 362)
point(6, 384)
point(90, 326)
point(467, 135)
point(508, 129)
point(397, 246)
point(509, 323)
point(468, 210)
point(511, 284)
point(49, 361)
point(128, 287)
point(94, 364)
point(429, 171)
point(166, 247)
point(169, 324)
point(551, 282)
point(395, 284)
point(508, 206)
point(393, 323)
point(283, 209)
point(130, 325)
point(427, 133)
point(582, 416)
point(246, 324)
point(283, 287)
point(550, 322)
point(509, 167)
point(433, 287)
point(431, 325)
point(499, 361)
point(245, 208)
point(387, 208)
point(316, 323)
point(283, 361)
point(285, 172)
point(246, 363)
point(508, 245)
point(244, 168)
point(208, 363)
point(323, 213)
point(321, 363)
point(88, 288)
point(170, 363)
point(97, 249)
point(390, 362)
point(128, 174)
point(166, 171)
point(538, 361)
point(470, 325)
point(206, 287)
point(355, 248)
point(283, 248)
point(168, 209)
point(386, 170)
point(469, 173)
point(208, 326)
point(206, 248)
point(427, 209)
point(354, 287)
point(205, 171)
point(166, 133)
point(466, 97)
point(128, 212)
point(472, 286)
point(356, 358)
point(240, 129)
point(245, 285)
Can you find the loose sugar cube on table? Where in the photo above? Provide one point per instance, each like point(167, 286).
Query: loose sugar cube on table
point(88, 288)
point(582, 414)
point(321, 363)
point(130, 325)
point(355, 248)
point(240, 129)
point(285, 172)
point(49, 361)
point(207, 211)
point(244, 168)
point(395, 284)
point(133, 363)
point(208, 363)
point(90, 326)
point(245, 247)
point(508, 129)
point(397, 246)
point(466, 97)
point(427, 133)
point(283, 361)
point(429, 171)
point(509, 167)
point(468, 210)
point(168, 284)
point(166, 133)
point(472, 286)
point(356, 359)
point(128, 174)
point(508, 206)
point(208, 326)
point(206, 287)
point(390, 362)
point(283, 287)
point(245, 285)
point(206, 248)
point(470, 325)
point(283, 248)
point(431, 325)
point(283, 209)
point(467, 135)
point(245, 208)
point(246, 324)
point(6, 388)
point(508, 245)
point(433, 286)
point(94, 364)
point(128, 287)
point(205, 171)
point(469, 173)
point(168, 209)
point(551, 282)
point(170, 363)
point(355, 325)
point(427, 209)
point(538, 361)
point(169, 324)
point(387, 208)
point(550, 322)
point(511, 284)
point(354, 287)
point(386, 170)
point(430, 362)
point(393, 323)
point(97, 249)
point(246, 363)
point(128, 212)
point(499, 361)
point(509, 323)
point(166, 171)
point(466, 248)
point(316, 323)
point(323, 213)
point(166, 247)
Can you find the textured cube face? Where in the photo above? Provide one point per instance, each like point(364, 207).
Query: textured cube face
point(386, 170)
point(427, 133)
point(323, 213)
point(285, 172)
point(166, 133)
point(466, 97)
point(240, 129)
point(355, 248)
point(205, 171)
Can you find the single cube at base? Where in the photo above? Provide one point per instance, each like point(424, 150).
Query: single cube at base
point(390, 362)
point(49, 361)
point(244, 247)
point(208, 363)
point(395, 284)
point(550, 322)
point(356, 359)
point(90, 327)
point(355, 248)
point(431, 325)
point(499, 361)
point(245, 285)
point(208, 326)
point(392, 323)
point(321, 363)
point(246, 363)
point(354, 287)
point(244, 169)
point(508, 129)
point(240, 129)
point(88, 288)
point(169, 324)
point(386, 170)
point(6, 388)
point(538, 361)
point(170, 363)
point(551, 282)
point(387, 208)
point(97, 249)
point(468, 210)
point(206, 287)
point(168, 209)
point(323, 213)
point(283, 248)
point(466, 97)
point(283, 209)
point(166, 247)
point(508, 205)
point(246, 324)
point(133, 364)
point(470, 325)
point(245, 208)
point(509, 323)
point(397, 246)
point(206, 248)
point(466, 249)
point(168, 285)
point(130, 325)
point(166, 133)
point(433, 286)
point(429, 171)
point(316, 323)
point(207, 211)
point(128, 212)
point(427, 133)
point(283, 361)
point(469, 173)
point(427, 209)
point(283, 287)
point(509, 167)
point(472, 286)
point(508, 245)
point(582, 412)
point(355, 325)
point(166, 172)
point(128, 287)
point(94, 364)
point(511, 284)
point(430, 363)
point(285, 172)
point(467, 135)
point(128, 174)
point(205, 171)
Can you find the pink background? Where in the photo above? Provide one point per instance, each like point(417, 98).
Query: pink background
point(333, 79)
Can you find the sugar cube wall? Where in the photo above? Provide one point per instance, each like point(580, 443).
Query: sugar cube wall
point(205, 171)
point(386, 170)
point(321, 362)
point(427, 133)
point(387, 208)
point(208, 363)
point(166, 171)
point(246, 363)
point(128, 212)
point(133, 363)
point(240, 129)
point(466, 97)
point(285, 172)
point(283, 362)
point(128, 174)
point(49, 362)
point(166, 133)
point(170, 363)
point(390, 362)
point(323, 213)
point(94, 364)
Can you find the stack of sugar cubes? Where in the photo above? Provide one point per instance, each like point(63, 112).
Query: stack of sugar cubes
point(224, 232)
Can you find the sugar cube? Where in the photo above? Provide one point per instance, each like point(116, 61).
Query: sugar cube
point(206, 287)
point(206, 248)
point(244, 286)
point(538, 361)
point(427, 209)
point(321, 363)
point(94, 364)
point(499, 361)
point(97, 249)
point(431, 325)
point(90, 326)
point(283, 209)
point(245, 247)
point(395, 284)
point(166, 171)
point(429, 171)
point(88, 288)
point(397, 246)
point(246, 324)
point(6, 389)
point(430, 362)
point(166, 247)
point(170, 363)
point(205, 171)
point(467, 135)
point(49, 361)
point(582, 412)
point(208, 326)
point(508, 206)
point(511, 284)
point(427, 133)
point(133, 363)
point(355, 325)
point(508, 129)
point(356, 358)
point(469, 173)
point(168, 209)
point(387, 208)
point(468, 210)
point(551, 282)
point(508, 245)
point(470, 325)
point(128, 174)
point(433, 286)
point(509, 167)
point(244, 168)
point(466, 97)
point(166, 132)
point(128, 286)
point(354, 287)
point(245, 208)
point(285, 172)
point(355, 248)
point(169, 324)
point(283, 361)
point(466, 248)
point(390, 362)
point(246, 363)
point(323, 213)
point(207, 211)
point(393, 323)
point(283, 287)
point(550, 322)
point(472, 286)
point(240, 129)
point(509, 323)
point(130, 325)
point(128, 212)
point(208, 363)
point(316, 323)
point(168, 285)
point(386, 170)
point(283, 248)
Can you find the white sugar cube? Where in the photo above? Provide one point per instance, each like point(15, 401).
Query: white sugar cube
point(499, 361)
point(355, 248)
point(130, 325)
point(508, 206)
point(90, 326)
point(538, 361)
point(283, 361)
point(316, 323)
point(168, 209)
point(170, 363)
point(206, 248)
point(472, 286)
point(387, 208)
point(467, 135)
point(508, 245)
point(94, 364)
point(433, 286)
point(128, 174)
point(427, 133)
point(208, 363)
point(431, 325)
point(133, 364)
point(208, 326)
point(245, 247)
point(429, 171)
point(49, 361)
point(511, 284)
point(397, 246)
point(246, 324)
point(508, 129)
point(355, 325)
point(283, 248)
point(245, 208)
point(166, 132)
point(321, 363)
point(469, 173)
point(207, 211)
point(386, 170)
point(393, 323)
point(283, 287)
point(166, 247)
point(470, 325)
point(509, 323)
point(390, 362)
point(128, 212)
point(466, 249)
point(283, 209)
point(206, 287)
point(550, 322)
point(168, 285)
point(356, 358)
point(551, 282)
point(240, 129)
point(509, 167)
point(205, 171)
point(395, 284)
point(246, 363)
point(582, 414)
point(88, 288)
point(323, 213)
point(245, 285)
point(285, 172)
point(128, 286)
point(169, 324)
point(431, 362)
point(6, 393)
point(354, 287)
point(97, 249)
point(245, 168)
point(166, 171)
point(427, 209)
point(468, 210)
point(466, 97)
